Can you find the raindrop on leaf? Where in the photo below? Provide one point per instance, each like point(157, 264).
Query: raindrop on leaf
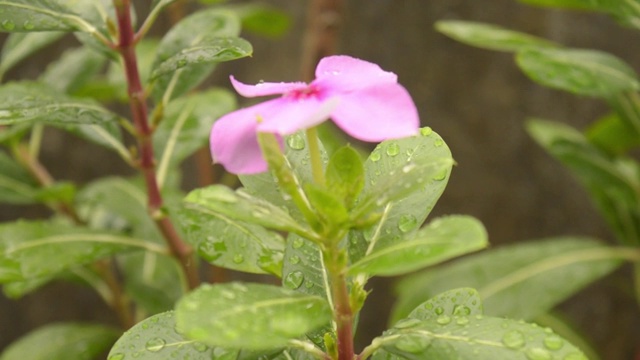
point(426, 131)
point(238, 258)
point(443, 319)
point(513, 339)
point(155, 344)
point(294, 280)
point(296, 141)
point(393, 149)
point(412, 343)
point(407, 223)
point(553, 342)
point(538, 354)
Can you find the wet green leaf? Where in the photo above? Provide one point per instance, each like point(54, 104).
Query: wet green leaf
point(456, 302)
point(442, 239)
point(345, 174)
point(249, 316)
point(62, 341)
point(16, 184)
point(518, 281)
point(73, 69)
point(39, 15)
point(19, 46)
point(582, 72)
point(488, 36)
point(612, 135)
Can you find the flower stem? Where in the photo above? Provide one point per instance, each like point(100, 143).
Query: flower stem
point(316, 158)
point(335, 262)
point(126, 47)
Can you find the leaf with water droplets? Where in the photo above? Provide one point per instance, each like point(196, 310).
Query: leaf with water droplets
point(519, 281)
point(457, 302)
point(345, 174)
point(489, 36)
point(29, 102)
point(477, 337)
point(39, 15)
point(416, 155)
point(62, 341)
point(582, 72)
point(189, 52)
point(443, 239)
point(249, 316)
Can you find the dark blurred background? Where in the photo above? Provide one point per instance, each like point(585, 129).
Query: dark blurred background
point(476, 99)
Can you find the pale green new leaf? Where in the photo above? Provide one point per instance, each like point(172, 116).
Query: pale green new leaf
point(62, 341)
point(423, 163)
point(19, 46)
point(474, 337)
point(249, 316)
point(519, 281)
point(442, 239)
point(582, 72)
point(35, 249)
point(488, 36)
point(29, 102)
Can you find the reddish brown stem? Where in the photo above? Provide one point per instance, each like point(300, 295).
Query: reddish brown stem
point(321, 36)
point(139, 112)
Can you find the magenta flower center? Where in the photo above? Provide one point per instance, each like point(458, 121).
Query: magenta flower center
point(310, 91)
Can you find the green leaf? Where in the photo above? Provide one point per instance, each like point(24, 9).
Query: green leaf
point(329, 208)
point(62, 341)
point(16, 184)
point(201, 28)
point(582, 72)
point(443, 239)
point(475, 337)
point(263, 20)
point(186, 127)
point(19, 46)
point(428, 158)
point(456, 302)
point(249, 316)
point(612, 135)
point(488, 36)
point(39, 15)
point(345, 174)
point(31, 102)
point(613, 182)
point(34, 249)
point(626, 12)
point(74, 68)
point(563, 327)
point(518, 281)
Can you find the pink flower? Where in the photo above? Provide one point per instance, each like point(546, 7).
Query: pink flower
point(363, 100)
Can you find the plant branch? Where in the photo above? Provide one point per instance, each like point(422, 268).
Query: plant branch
point(139, 110)
point(335, 262)
point(321, 36)
point(316, 160)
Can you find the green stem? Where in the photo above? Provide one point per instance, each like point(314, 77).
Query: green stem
point(335, 262)
point(316, 158)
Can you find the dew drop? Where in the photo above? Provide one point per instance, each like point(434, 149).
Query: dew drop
point(200, 347)
point(211, 251)
point(406, 323)
point(461, 310)
point(28, 25)
point(412, 343)
point(297, 243)
point(238, 258)
point(393, 149)
point(294, 260)
point(443, 319)
point(513, 339)
point(155, 344)
point(375, 155)
point(294, 280)
point(440, 176)
point(462, 320)
point(308, 284)
point(439, 310)
point(438, 143)
point(407, 223)
point(296, 141)
point(8, 25)
point(117, 356)
point(428, 306)
point(426, 131)
point(538, 354)
point(553, 342)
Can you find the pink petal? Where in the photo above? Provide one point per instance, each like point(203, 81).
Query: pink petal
point(377, 113)
point(286, 116)
point(265, 88)
point(234, 142)
point(344, 73)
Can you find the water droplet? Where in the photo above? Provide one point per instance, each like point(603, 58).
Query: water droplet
point(155, 344)
point(553, 342)
point(538, 354)
point(238, 258)
point(440, 176)
point(211, 251)
point(294, 280)
point(438, 143)
point(407, 223)
point(428, 306)
point(406, 323)
point(297, 243)
point(117, 356)
point(426, 131)
point(461, 310)
point(200, 347)
point(439, 310)
point(296, 141)
point(308, 284)
point(393, 149)
point(375, 155)
point(443, 319)
point(412, 343)
point(513, 339)
point(8, 25)
point(463, 320)
point(28, 25)
point(294, 260)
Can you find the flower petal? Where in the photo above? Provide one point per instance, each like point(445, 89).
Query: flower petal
point(265, 88)
point(234, 142)
point(344, 74)
point(285, 116)
point(377, 113)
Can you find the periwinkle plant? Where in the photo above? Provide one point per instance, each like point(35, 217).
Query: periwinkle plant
point(322, 221)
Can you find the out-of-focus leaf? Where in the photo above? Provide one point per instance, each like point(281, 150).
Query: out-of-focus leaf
point(19, 46)
point(39, 15)
point(562, 326)
point(16, 184)
point(612, 135)
point(263, 20)
point(582, 72)
point(62, 341)
point(627, 12)
point(74, 68)
point(249, 316)
point(488, 36)
point(518, 281)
